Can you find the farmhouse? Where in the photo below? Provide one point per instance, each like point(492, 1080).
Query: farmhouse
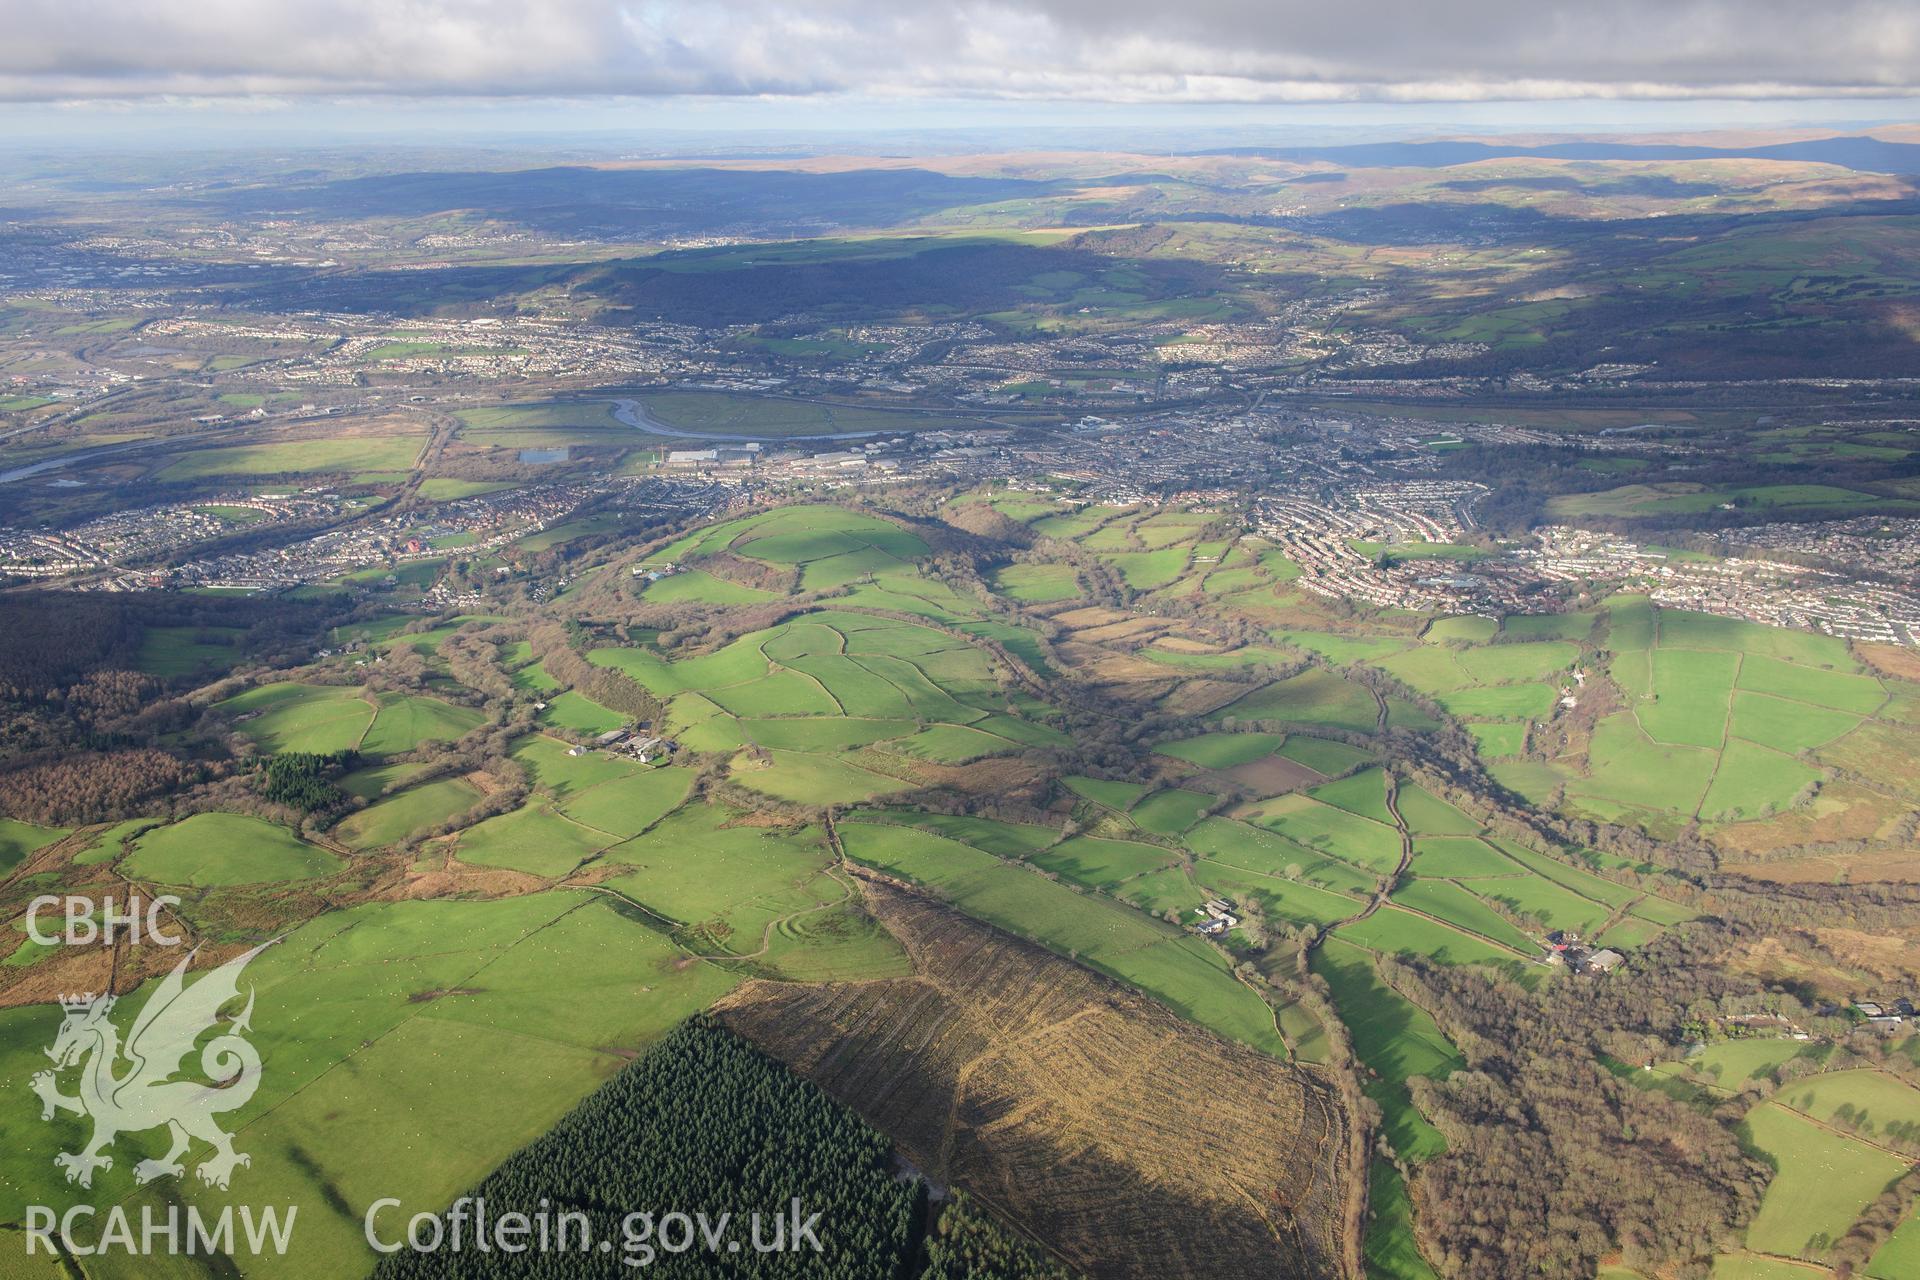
point(1884, 1015)
point(1605, 960)
point(1218, 918)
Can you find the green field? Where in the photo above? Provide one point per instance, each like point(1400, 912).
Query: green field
point(214, 849)
point(403, 723)
point(1223, 750)
point(1899, 1257)
point(19, 840)
point(392, 452)
point(407, 813)
point(181, 651)
point(470, 1027)
point(1313, 697)
point(533, 839)
point(1634, 500)
point(1037, 583)
point(1390, 932)
point(576, 711)
point(695, 586)
point(1821, 1182)
point(1870, 1103)
point(1395, 1038)
point(1170, 966)
point(1375, 845)
point(301, 717)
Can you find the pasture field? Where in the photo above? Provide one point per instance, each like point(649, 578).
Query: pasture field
point(209, 850)
point(1821, 1182)
point(1753, 782)
point(403, 722)
point(1899, 1257)
point(1295, 900)
point(824, 733)
point(1541, 899)
point(627, 805)
point(1363, 793)
point(1692, 692)
point(404, 813)
point(1873, 1104)
point(1118, 796)
point(1590, 886)
point(1394, 1037)
point(1103, 864)
point(105, 847)
point(19, 840)
point(1500, 702)
point(805, 778)
point(1322, 755)
point(562, 775)
point(1002, 839)
point(1340, 648)
point(392, 450)
point(1512, 663)
point(1147, 570)
point(1037, 583)
point(950, 744)
point(803, 536)
point(1322, 827)
point(1785, 725)
point(534, 678)
point(1839, 690)
point(1264, 852)
point(181, 651)
point(696, 586)
point(1429, 815)
point(576, 711)
point(1169, 812)
point(471, 1028)
point(1172, 967)
point(813, 690)
point(1719, 712)
point(1685, 498)
point(534, 839)
point(1314, 697)
point(768, 897)
point(1457, 858)
point(1463, 629)
point(368, 781)
point(1390, 931)
point(300, 717)
point(1460, 908)
point(1628, 770)
point(1392, 1250)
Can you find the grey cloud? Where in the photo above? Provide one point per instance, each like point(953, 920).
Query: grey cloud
point(1122, 50)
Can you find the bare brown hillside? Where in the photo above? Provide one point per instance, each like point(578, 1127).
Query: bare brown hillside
point(1130, 1141)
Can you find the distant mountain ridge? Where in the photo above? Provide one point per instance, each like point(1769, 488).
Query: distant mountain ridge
point(1862, 152)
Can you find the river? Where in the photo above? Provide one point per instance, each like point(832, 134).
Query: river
point(634, 414)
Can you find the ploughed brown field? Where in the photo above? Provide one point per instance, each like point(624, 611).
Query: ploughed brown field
point(1089, 1116)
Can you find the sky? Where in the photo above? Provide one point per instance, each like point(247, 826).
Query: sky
point(141, 66)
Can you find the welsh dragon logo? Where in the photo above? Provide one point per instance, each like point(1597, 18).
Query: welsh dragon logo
point(132, 1087)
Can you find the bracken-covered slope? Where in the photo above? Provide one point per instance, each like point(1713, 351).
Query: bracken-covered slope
point(1136, 1144)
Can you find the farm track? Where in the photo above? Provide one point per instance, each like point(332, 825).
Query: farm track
point(1388, 883)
